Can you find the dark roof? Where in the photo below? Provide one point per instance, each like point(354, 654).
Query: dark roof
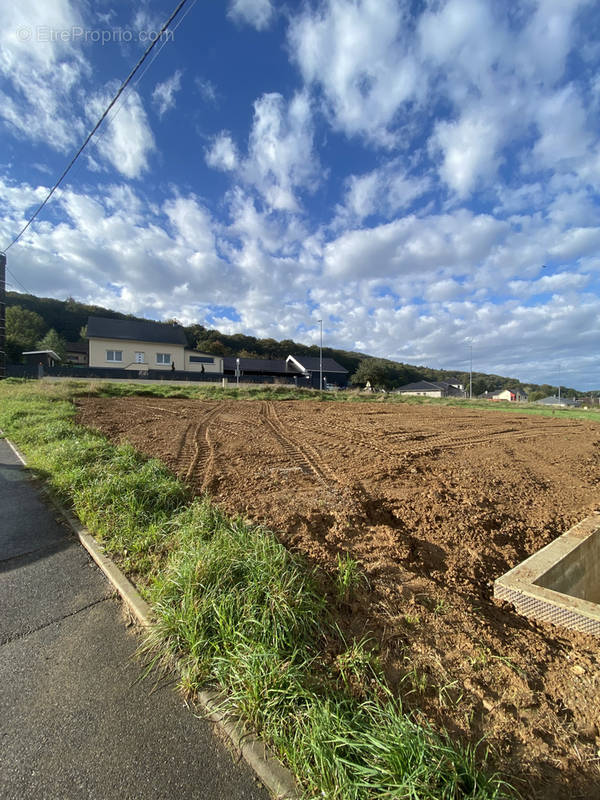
point(311, 364)
point(76, 347)
point(423, 386)
point(135, 329)
point(269, 365)
point(555, 401)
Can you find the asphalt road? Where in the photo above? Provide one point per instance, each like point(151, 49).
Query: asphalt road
point(76, 721)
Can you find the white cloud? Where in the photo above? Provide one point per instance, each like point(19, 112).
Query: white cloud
point(17, 199)
point(207, 89)
point(163, 95)
point(281, 159)
point(499, 72)
point(127, 140)
point(464, 34)
point(443, 290)
point(469, 148)
point(561, 120)
point(560, 282)
point(358, 54)
point(410, 245)
point(548, 38)
point(257, 13)
point(383, 191)
point(41, 75)
point(222, 153)
point(101, 243)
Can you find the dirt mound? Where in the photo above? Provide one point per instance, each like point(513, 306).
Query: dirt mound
point(434, 503)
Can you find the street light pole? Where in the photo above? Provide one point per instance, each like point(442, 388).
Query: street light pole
point(2, 316)
point(321, 358)
point(471, 371)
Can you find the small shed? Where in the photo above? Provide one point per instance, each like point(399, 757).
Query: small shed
point(47, 358)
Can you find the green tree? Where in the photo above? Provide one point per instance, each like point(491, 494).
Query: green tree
point(53, 341)
point(536, 395)
point(374, 370)
point(216, 347)
point(23, 329)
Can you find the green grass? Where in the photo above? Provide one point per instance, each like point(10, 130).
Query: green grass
point(235, 609)
point(287, 392)
point(349, 577)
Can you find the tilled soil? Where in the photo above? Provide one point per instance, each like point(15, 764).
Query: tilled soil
point(434, 503)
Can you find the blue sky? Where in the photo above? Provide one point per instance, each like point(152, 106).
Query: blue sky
point(420, 175)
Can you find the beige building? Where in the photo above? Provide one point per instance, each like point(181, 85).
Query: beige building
point(512, 395)
point(142, 345)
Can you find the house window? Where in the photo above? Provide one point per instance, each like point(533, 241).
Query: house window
point(163, 358)
point(139, 358)
point(201, 360)
point(114, 355)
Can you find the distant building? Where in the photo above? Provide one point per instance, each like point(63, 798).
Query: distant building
point(432, 389)
point(255, 367)
point(454, 382)
point(308, 368)
point(510, 395)
point(558, 402)
point(47, 358)
point(77, 353)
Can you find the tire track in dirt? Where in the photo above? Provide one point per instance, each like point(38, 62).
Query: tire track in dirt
point(304, 455)
point(201, 464)
point(425, 444)
point(183, 454)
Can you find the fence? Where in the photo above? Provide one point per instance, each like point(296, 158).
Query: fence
point(112, 373)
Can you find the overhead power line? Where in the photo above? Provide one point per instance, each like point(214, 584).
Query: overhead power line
point(17, 281)
point(122, 88)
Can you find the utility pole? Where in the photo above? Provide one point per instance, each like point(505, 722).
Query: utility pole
point(559, 383)
point(321, 358)
point(2, 316)
point(471, 371)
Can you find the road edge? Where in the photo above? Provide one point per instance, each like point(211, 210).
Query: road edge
point(268, 768)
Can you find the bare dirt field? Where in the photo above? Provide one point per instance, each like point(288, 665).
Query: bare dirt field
point(434, 503)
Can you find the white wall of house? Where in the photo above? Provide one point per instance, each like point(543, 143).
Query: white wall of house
point(128, 354)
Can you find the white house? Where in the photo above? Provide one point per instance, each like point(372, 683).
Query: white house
point(132, 344)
